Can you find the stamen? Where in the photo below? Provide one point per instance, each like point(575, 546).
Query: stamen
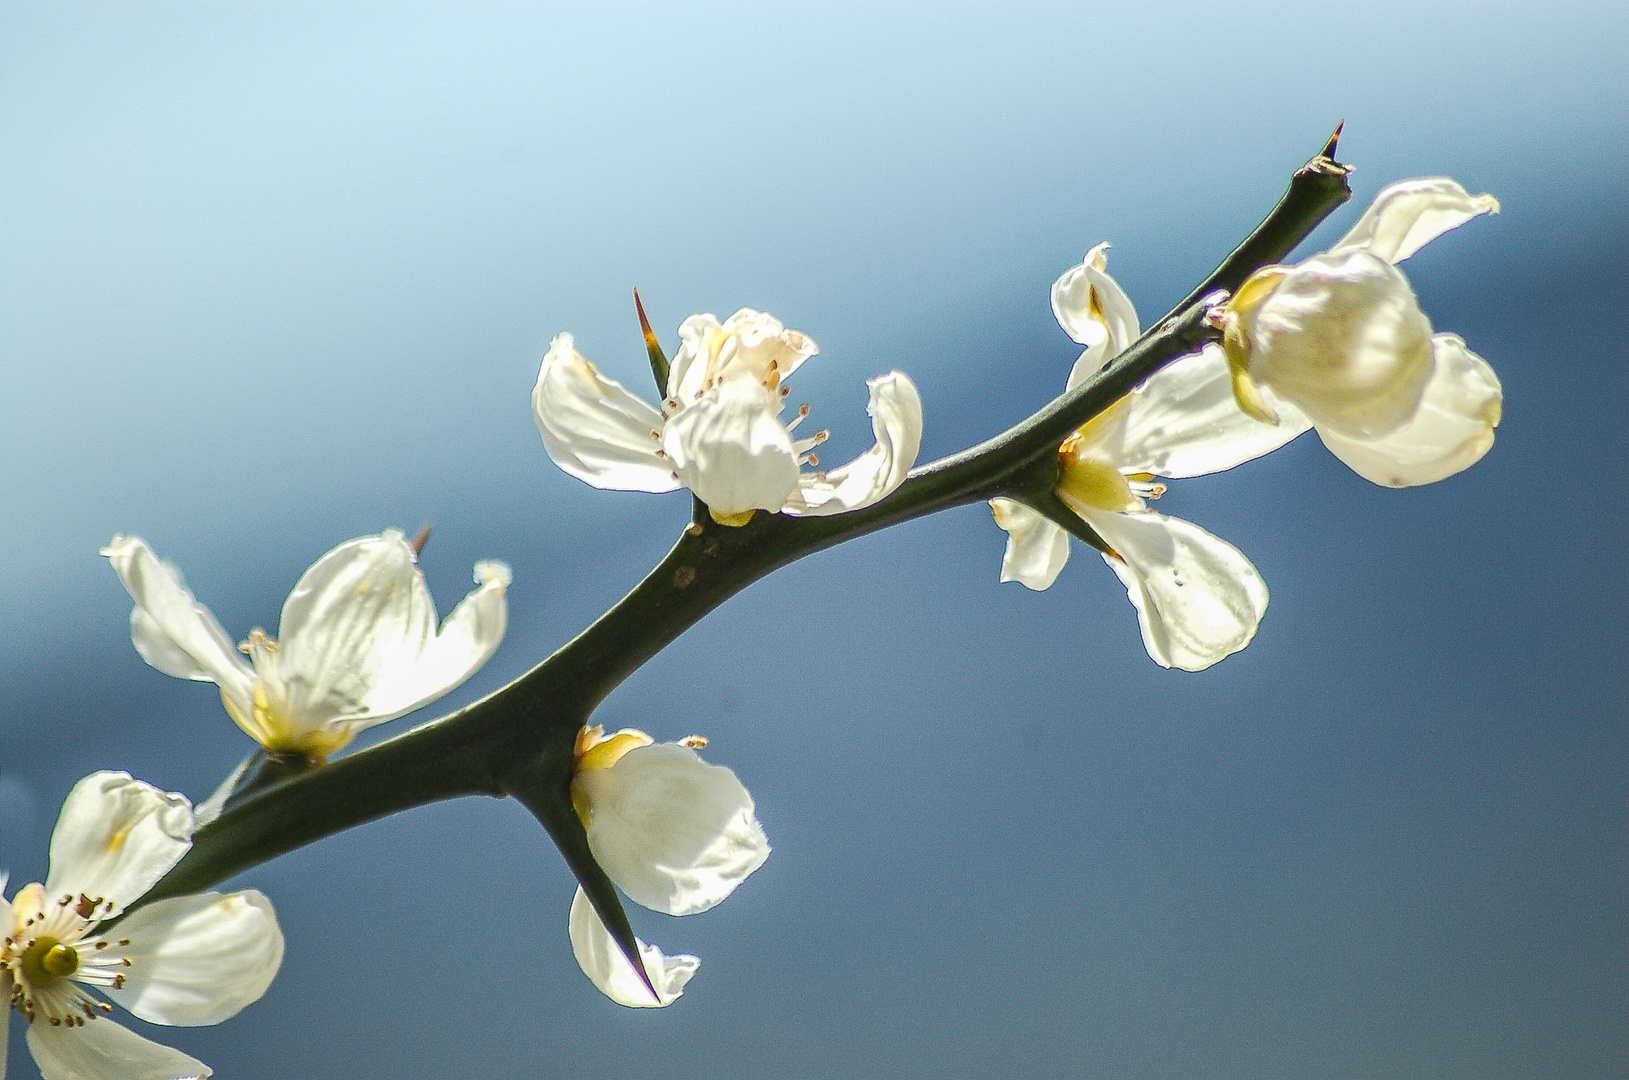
point(694, 742)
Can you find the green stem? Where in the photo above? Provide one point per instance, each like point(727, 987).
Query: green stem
point(519, 740)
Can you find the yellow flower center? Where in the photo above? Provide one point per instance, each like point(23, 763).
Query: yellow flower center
point(597, 750)
point(1238, 341)
point(48, 960)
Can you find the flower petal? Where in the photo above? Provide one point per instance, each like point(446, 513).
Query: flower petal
point(1342, 338)
point(731, 450)
point(1407, 215)
point(197, 959)
point(102, 1050)
point(1449, 432)
point(749, 342)
point(114, 838)
point(1185, 421)
point(673, 832)
point(602, 961)
point(170, 629)
point(896, 420)
point(1036, 548)
point(593, 428)
point(356, 620)
point(1093, 309)
point(1198, 599)
point(359, 640)
point(468, 637)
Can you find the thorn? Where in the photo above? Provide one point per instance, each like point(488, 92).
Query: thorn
point(1334, 140)
point(658, 359)
point(421, 538)
point(644, 322)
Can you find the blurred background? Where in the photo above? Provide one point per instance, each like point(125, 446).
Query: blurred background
point(277, 275)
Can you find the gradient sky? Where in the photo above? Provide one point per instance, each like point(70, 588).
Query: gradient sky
point(277, 275)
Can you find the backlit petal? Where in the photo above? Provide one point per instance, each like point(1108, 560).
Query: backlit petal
point(114, 838)
point(675, 833)
point(1449, 432)
point(1185, 421)
point(198, 959)
point(1342, 338)
point(749, 342)
point(359, 638)
point(1093, 309)
point(102, 1050)
point(171, 630)
point(1407, 215)
point(896, 419)
point(603, 962)
point(593, 428)
point(358, 618)
point(468, 637)
point(1036, 548)
point(1198, 599)
point(731, 450)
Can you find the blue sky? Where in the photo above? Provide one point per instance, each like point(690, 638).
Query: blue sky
point(273, 276)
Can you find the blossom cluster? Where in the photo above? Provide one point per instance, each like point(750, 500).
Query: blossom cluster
point(1336, 344)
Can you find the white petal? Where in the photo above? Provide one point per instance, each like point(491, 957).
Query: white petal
point(1406, 216)
point(468, 637)
point(358, 637)
point(1198, 599)
point(748, 342)
point(115, 838)
point(593, 428)
point(1342, 338)
point(1185, 421)
point(602, 961)
point(1036, 548)
point(170, 629)
point(1449, 433)
point(102, 1050)
point(675, 833)
point(1106, 327)
point(896, 420)
point(198, 959)
point(731, 450)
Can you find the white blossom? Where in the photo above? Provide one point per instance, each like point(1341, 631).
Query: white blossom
point(1198, 599)
point(674, 833)
point(719, 431)
point(1339, 341)
point(358, 644)
point(186, 960)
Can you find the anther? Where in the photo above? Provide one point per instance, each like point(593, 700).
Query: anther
point(420, 538)
point(814, 459)
point(694, 742)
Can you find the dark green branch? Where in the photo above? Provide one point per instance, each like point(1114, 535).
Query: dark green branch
point(520, 739)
